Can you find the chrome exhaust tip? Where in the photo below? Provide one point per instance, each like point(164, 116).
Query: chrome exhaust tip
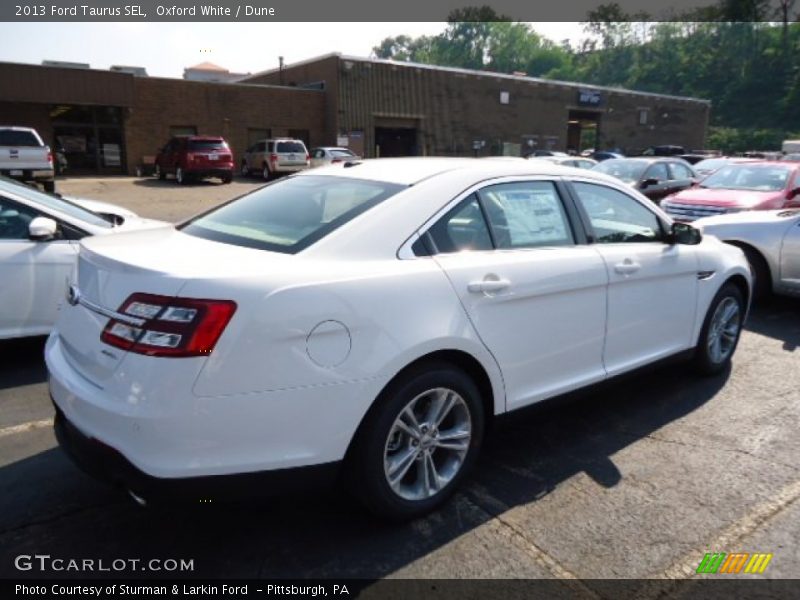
point(138, 499)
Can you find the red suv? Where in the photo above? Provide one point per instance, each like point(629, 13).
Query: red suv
point(195, 156)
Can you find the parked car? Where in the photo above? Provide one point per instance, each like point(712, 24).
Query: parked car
point(283, 335)
point(271, 157)
point(329, 155)
point(39, 236)
point(569, 161)
point(25, 157)
point(654, 177)
point(543, 152)
point(192, 157)
point(602, 155)
point(664, 150)
point(705, 167)
point(791, 157)
point(771, 241)
point(736, 187)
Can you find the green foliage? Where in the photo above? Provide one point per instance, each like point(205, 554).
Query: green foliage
point(731, 140)
point(726, 53)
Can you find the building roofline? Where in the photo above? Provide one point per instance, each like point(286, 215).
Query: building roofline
point(526, 78)
point(295, 64)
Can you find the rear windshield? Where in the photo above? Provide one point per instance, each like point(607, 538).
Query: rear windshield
point(53, 202)
point(342, 153)
point(626, 170)
point(12, 137)
point(207, 145)
point(291, 147)
point(291, 214)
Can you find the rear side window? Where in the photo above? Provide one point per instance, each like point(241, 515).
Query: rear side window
point(13, 137)
point(291, 214)
point(207, 145)
point(291, 147)
point(463, 228)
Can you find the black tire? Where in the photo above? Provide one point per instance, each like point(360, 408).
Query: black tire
point(705, 361)
point(49, 186)
point(227, 178)
point(245, 169)
point(365, 470)
point(159, 172)
point(759, 270)
point(266, 174)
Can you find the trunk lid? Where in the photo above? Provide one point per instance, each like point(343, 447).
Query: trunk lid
point(156, 261)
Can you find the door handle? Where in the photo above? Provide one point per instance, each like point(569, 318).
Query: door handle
point(627, 267)
point(488, 285)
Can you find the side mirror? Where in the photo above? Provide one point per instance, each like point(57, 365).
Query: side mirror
point(42, 229)
point(683, 233)
point(648, 182)
point(793, 193)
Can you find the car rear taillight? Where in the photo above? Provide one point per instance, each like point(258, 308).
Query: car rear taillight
point(50, 158)
point(273, 157)
point(336, 160)
point(164, 326)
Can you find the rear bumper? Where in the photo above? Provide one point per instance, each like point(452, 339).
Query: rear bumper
point(289, 168)
point(29, 174)
point(211, 172)
point(107, 464)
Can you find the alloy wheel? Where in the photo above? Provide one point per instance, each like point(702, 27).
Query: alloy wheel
point(724, 330)
point(427, 444)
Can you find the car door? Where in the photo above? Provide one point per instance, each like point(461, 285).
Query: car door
point(652, 284)
point(535, 293)
point(659, 176)
point(33, 273)
point(682, 177)
point(790, 259)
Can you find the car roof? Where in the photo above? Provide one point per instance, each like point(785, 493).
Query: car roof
point(409, 171)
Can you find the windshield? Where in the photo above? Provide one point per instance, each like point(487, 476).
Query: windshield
point(626, 170)
point(291, 214)
point(754, 177)
point(53, 202)
point(711, 164)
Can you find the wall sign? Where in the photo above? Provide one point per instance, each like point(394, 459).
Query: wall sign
point(589, 98)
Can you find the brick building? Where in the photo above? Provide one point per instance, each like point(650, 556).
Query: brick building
point(109, 121)
point(395, 108)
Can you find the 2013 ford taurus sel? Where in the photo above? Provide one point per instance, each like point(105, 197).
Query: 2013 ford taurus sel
point(369, 322)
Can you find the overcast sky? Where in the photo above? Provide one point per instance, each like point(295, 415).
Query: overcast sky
point(165, 49)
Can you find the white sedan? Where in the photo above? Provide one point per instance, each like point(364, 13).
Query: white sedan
point(370, 321)
point(39, 237)
point(771, 241)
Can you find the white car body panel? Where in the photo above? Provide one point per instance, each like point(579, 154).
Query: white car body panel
point(39, 269)
point(774, 234)
point(318, 334)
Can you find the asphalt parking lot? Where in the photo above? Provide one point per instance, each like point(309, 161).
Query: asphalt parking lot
point(637, 479)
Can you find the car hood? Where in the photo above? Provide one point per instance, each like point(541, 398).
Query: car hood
point(748, 218)
point(127, 219)
point(725, 198)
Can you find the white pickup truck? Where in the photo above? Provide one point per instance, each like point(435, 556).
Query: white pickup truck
point(25, 157)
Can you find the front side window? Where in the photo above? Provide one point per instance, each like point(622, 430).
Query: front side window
point(290, 214)
point(680, 171)
point(526, 215)
point(14, 220)
point(658, 171)
point(616, 217)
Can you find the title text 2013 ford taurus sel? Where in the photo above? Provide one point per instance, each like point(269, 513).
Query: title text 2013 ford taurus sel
point(369, 321)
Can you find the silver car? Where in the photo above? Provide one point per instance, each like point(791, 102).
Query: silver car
point(771, 241)
point(329, 155)
point(270, 157)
